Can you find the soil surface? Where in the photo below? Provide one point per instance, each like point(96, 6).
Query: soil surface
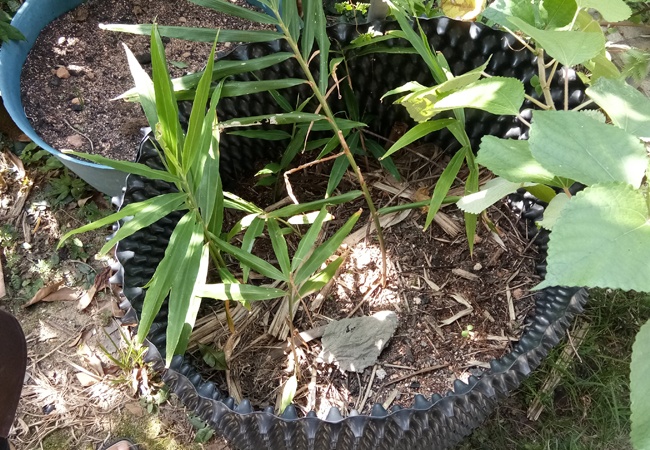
point(75, 69)
point(455, 312)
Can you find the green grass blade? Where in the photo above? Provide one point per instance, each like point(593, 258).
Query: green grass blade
point(240, 292)
point(295, 146)
point(291, 18)
point(418, 132)
point(128, 167)
point(324, 251)
point(259, 265)
point(309, 29)
point(162, 278)
point(195, 139)
point(181, 302)
point(471, 186)
point(292, 210)
point(254, 230)
point(155, 210)
point(387, 163)
point(237, 11)
point(171, 134)
point(443, 185)
point(143, 88)
point(323, 45)
point(197, 34)
point(279, 246)
point(308, 240)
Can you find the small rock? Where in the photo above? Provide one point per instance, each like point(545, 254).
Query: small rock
point(478, 266)
point(417, 300)
point(380, 374)
point(182, 19)
point(415, 385)
point(75, 140)
point(62, 73)
point(75, 101)
point(357, 342)
point(90, 75)
point(186, 55)
point(144, 58)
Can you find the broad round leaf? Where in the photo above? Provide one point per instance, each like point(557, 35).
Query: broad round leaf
point(576, 146)
point(601, 239)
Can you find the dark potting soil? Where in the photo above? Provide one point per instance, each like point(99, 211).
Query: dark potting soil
point(72, 108)
point(455, 311)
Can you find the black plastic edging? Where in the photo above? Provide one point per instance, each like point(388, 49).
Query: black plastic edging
point(438, 422)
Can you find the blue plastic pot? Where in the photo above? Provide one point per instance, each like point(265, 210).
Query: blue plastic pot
point(30, 19)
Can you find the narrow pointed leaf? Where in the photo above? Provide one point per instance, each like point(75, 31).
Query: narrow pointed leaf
point(129, 210)
point(253, 231)
point(143, 88)
point(197, 34)
point(195, 140)
point(273, 119)
point(318, 281)
point(155, 210)
point(161, 281)
point(307, 242)
point(324, 251)
point(240, 292)
point(493, 191)
point(168, 125)
point(443, 185)
point(230, 9)
point(292, 210)
point(288, 392)
point(128, 167)
point(259, 265)
point(418, 132)
point(268, 135)
point(279, 245)
point(180, 296)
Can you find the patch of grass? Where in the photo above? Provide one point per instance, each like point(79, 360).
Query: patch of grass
point(148, 431)
point(590, 408)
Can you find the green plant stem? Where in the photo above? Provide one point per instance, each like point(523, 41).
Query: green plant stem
point(546, 89)
point(348, 153)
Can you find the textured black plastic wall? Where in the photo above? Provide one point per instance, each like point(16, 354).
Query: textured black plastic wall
point(438, 422)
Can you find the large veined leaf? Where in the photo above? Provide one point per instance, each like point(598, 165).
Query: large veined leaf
point(577, 146)
point(568, 47)
point(554, 210)
point(557, 13)
point(197, 34)
point(611, 10)
point(513, 161)
point(627, 107)
point(501, 10)
point(601, 240)
point(640, 389)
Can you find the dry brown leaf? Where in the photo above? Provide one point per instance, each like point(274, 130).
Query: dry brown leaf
point(16, 162)
point(86, 298)
point(65, 294)
point(43, 292)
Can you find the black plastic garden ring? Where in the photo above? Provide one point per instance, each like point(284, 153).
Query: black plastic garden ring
point(438, 422)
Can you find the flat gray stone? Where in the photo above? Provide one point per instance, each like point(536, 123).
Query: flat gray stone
point(357, 342)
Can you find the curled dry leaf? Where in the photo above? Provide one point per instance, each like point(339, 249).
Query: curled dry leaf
point(43, 292)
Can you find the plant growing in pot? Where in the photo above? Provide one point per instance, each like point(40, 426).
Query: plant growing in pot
point(194, 237)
